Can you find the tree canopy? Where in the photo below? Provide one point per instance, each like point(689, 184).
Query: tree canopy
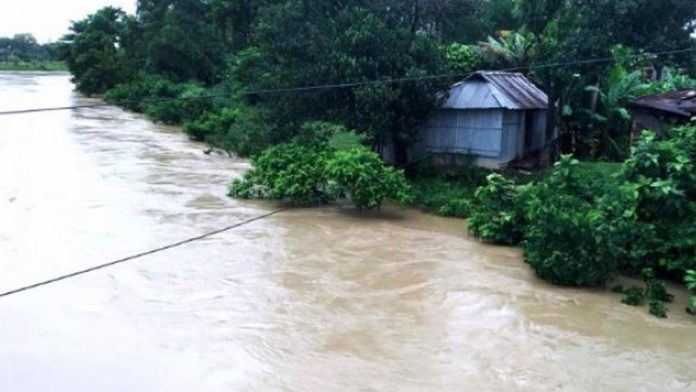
point(24, 47)
point(243, 48)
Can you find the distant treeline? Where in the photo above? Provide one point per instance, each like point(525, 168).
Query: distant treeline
point(188, 48)
point(23, 48)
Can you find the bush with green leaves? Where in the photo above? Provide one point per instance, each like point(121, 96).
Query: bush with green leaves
point(663, 171)
point(242, 129)
point(363, 177)
point(206, 127)
point(569, 243)
point(656, 289)
point(190, 103)
point(309, 175)
point(690, 280)
point(134, 95)
point(497, 212)
point(654, 292)
point(161, 99)
point(285, 172)
point(635, 296)
point(571, 234)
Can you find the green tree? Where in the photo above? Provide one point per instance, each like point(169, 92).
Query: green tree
point(92, 51)
point(299, 46)
point(178, 40)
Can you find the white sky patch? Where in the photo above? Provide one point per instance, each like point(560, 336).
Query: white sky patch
point(48, 20)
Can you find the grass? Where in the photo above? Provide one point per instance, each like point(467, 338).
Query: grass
point(33, 66)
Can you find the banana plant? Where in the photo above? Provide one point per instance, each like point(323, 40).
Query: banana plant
point(510, 47)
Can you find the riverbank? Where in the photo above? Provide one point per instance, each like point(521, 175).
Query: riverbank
point(33, 66)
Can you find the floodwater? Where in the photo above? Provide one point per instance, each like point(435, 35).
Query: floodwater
point(321, 299)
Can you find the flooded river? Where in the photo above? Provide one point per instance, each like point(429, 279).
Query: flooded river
point(308, 300)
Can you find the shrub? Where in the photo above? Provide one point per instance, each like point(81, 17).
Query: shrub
point(361, 175)
point(161, 99)
point(655, 289)
point(665, 175)
point(308, 175)
point(657, 308)
point(690, 280)
point(134, 95)
point(497, 212)
point(286, 171)
point(190, 104)
point(207, 126)
point(568, 242)
point(242, 130)
point(655, 292)
point(663, 172)
point(570, 238)
point(633, 239)
point(635, 296)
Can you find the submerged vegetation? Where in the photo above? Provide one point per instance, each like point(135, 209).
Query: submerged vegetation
point(581, 232)
point(319, 172)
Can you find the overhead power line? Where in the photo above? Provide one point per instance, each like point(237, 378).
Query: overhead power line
point(138, 255)
point(301, 89)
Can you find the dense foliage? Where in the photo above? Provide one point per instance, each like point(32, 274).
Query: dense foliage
point(23, 48)
point(364, 178)
point(93, 54)
point(690, 280)
point(569, 241)
point(497, 215)
point(238, 50)
point(308, 175)
point(580, 229)
point(286, 171)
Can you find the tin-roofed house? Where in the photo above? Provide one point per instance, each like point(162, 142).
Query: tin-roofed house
point(660, 112)
point(496, 117)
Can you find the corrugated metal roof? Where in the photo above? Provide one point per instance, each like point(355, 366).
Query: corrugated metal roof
point(681, 103)
point(495, 90)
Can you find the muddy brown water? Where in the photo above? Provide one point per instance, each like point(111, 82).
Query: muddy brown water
point(309, 300)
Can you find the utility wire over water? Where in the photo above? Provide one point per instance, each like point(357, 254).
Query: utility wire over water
point(346, 85)
point(138, 255)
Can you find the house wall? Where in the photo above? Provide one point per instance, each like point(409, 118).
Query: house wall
point(514, 131)
point(472, 131)
point(495, 136)
point(513, 135)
